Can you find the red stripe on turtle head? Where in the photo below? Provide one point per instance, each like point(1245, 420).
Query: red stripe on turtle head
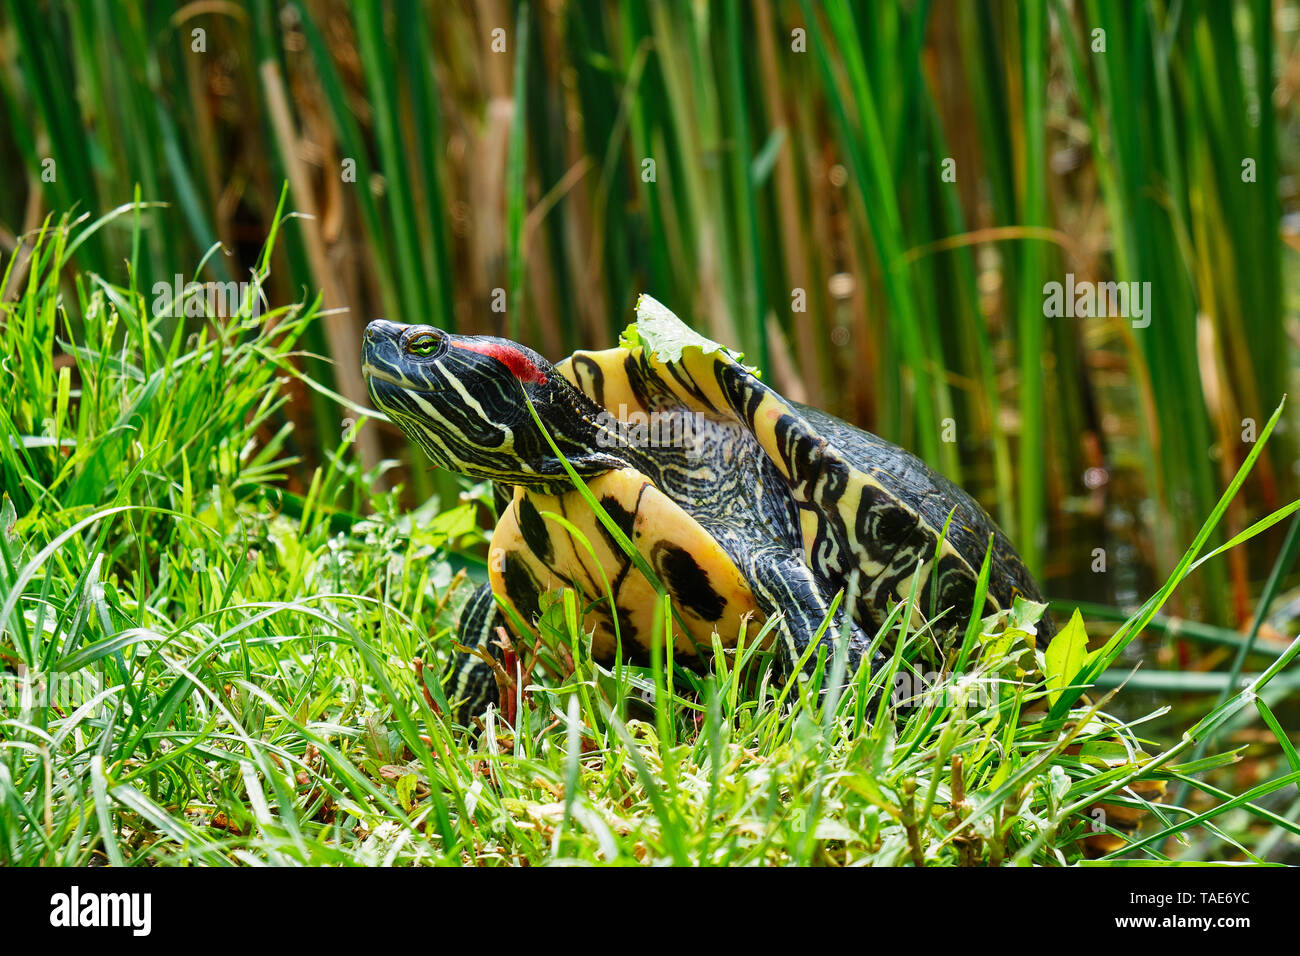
point(520, 365)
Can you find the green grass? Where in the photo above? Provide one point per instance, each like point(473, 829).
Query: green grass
point(245, 690)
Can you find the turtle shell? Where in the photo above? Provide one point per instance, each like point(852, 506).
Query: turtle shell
point(869, 511)
point(545, 542)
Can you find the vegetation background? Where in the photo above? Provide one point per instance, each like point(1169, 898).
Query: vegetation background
point(866, 199)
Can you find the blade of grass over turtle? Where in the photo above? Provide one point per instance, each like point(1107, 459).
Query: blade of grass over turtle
point(840, 664)
point(933, 584)
point(977, 607)
point(575, 633)
point(610, 525)
point(576, 534)
point(900, 643)
point(661, 649)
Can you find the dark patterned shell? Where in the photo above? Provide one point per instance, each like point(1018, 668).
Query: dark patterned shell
point(865, 505)
point(910, 507)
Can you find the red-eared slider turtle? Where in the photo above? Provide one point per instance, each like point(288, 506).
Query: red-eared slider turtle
point(741, 501)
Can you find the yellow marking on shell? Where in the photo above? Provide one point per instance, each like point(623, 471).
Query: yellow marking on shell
point(701, 369)
point(808, 524)
point(657, 520)
point(619, 399)
point(770, 410)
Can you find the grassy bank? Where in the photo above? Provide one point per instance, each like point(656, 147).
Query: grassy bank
point(223, 671)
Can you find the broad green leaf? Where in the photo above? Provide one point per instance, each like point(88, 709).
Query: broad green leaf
point(663, 334)
point(1065, 656)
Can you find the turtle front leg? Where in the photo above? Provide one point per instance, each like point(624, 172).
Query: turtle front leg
point(470, 685)
point(783, 584)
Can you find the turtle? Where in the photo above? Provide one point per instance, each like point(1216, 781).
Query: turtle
point(744, 504)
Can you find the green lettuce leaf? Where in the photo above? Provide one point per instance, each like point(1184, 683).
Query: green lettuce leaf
point(661, 333)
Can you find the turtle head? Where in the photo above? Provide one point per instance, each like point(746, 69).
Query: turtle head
point(461, 399)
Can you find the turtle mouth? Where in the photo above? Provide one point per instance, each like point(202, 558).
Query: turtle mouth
point(373, 375)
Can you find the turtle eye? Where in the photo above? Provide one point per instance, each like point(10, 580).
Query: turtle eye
point(423, 343)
